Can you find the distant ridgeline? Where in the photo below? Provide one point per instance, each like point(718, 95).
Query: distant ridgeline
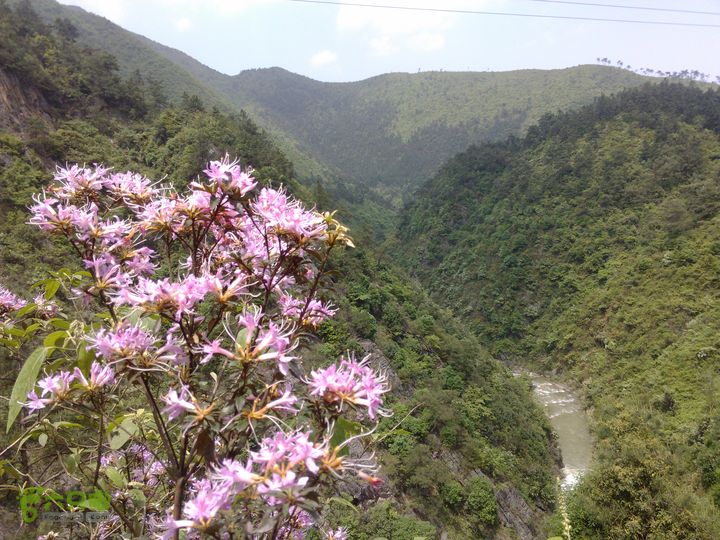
point(592, 245)
point(466, 445)
point(390, 132)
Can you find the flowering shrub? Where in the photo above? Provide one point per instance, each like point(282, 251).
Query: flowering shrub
point(177, 387)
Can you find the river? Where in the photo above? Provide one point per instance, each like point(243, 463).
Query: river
point(570, 422)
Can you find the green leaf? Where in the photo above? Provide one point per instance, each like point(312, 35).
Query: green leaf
point(62, 324)
point(97, 501)
point(345, 503)
point(123, 433)
point(344, 429)
point(51, 339)
point(24, 311)
point(116, 477)
point(25, 382)
point(85, 357)
point(51, 288)
point(66, 425)
point(42, 439)
point(137, 495)
point(72, 460)
point(17, 332)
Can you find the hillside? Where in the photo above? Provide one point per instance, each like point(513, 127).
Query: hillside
point(410, 123)
point(590, 247)
point(390, 132)
point(471, 452)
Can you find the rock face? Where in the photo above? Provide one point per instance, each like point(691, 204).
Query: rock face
point(19, 103)
point(379, 361)
point(515, 513)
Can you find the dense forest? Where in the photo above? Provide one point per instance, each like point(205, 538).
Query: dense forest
point(589, 247)
point(408, 123)
point(467, 449)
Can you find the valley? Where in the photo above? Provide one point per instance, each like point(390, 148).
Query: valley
point(557, 224)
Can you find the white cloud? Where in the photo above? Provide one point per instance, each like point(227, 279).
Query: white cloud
point(183, 24)
point(222, 7)
point(323, 58)
point(426, 42)
point(394, 21)
point(383, 46)
point(391, 30)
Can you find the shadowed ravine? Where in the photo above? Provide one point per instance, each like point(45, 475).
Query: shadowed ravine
point(569, 420)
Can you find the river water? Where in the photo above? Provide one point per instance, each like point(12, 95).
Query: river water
point(570, 422)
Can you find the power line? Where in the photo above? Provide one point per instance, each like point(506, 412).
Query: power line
point(504, 14)
point(623, 6)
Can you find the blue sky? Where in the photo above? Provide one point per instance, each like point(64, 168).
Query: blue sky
point(344, 43)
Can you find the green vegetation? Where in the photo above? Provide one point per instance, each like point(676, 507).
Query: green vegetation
point(410, 123)
point(390, 132)
point(463, 426)
point(466, 426)
point(591, 245)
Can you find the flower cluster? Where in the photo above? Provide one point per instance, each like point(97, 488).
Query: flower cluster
point(203, 300)
point(351, 382)
point(9, 301)
point(57, 387)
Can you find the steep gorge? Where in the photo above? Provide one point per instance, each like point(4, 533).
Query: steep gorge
point(590, 247)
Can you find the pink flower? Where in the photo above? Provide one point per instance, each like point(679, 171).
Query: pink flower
point(289, 305)
point(165, 296)
point(9, 301)
point(108, 275)
point(139, 261)
point(285, 402)
point(44, 308)
point(279, 487)
point(352, 382)
point(123, 342)
point(77, 182)
point(132, 187)
point(226, 289)
point(286, 216)
point(229, 177)
point(213, 348)
point(49, 218)
point(160, 215)
point(235, 475)
point(290, 451)
point(272, 344)
point(340, 533)
point(37, 402)
point(57, 385)
point(173, 351)
point(99, 376)
point(202, 508)
point(178, 404)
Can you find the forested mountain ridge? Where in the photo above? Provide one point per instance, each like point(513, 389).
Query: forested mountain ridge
point(466, 441)
point(590, 246)
point(408, 123)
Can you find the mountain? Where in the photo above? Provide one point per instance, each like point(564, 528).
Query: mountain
point(389, 133)
point(468, 450)
point(591, 247)
point(408, 124)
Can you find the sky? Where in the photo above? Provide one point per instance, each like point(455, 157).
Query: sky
point(348, 43)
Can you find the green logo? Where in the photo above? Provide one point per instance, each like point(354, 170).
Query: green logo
point(35, 499)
